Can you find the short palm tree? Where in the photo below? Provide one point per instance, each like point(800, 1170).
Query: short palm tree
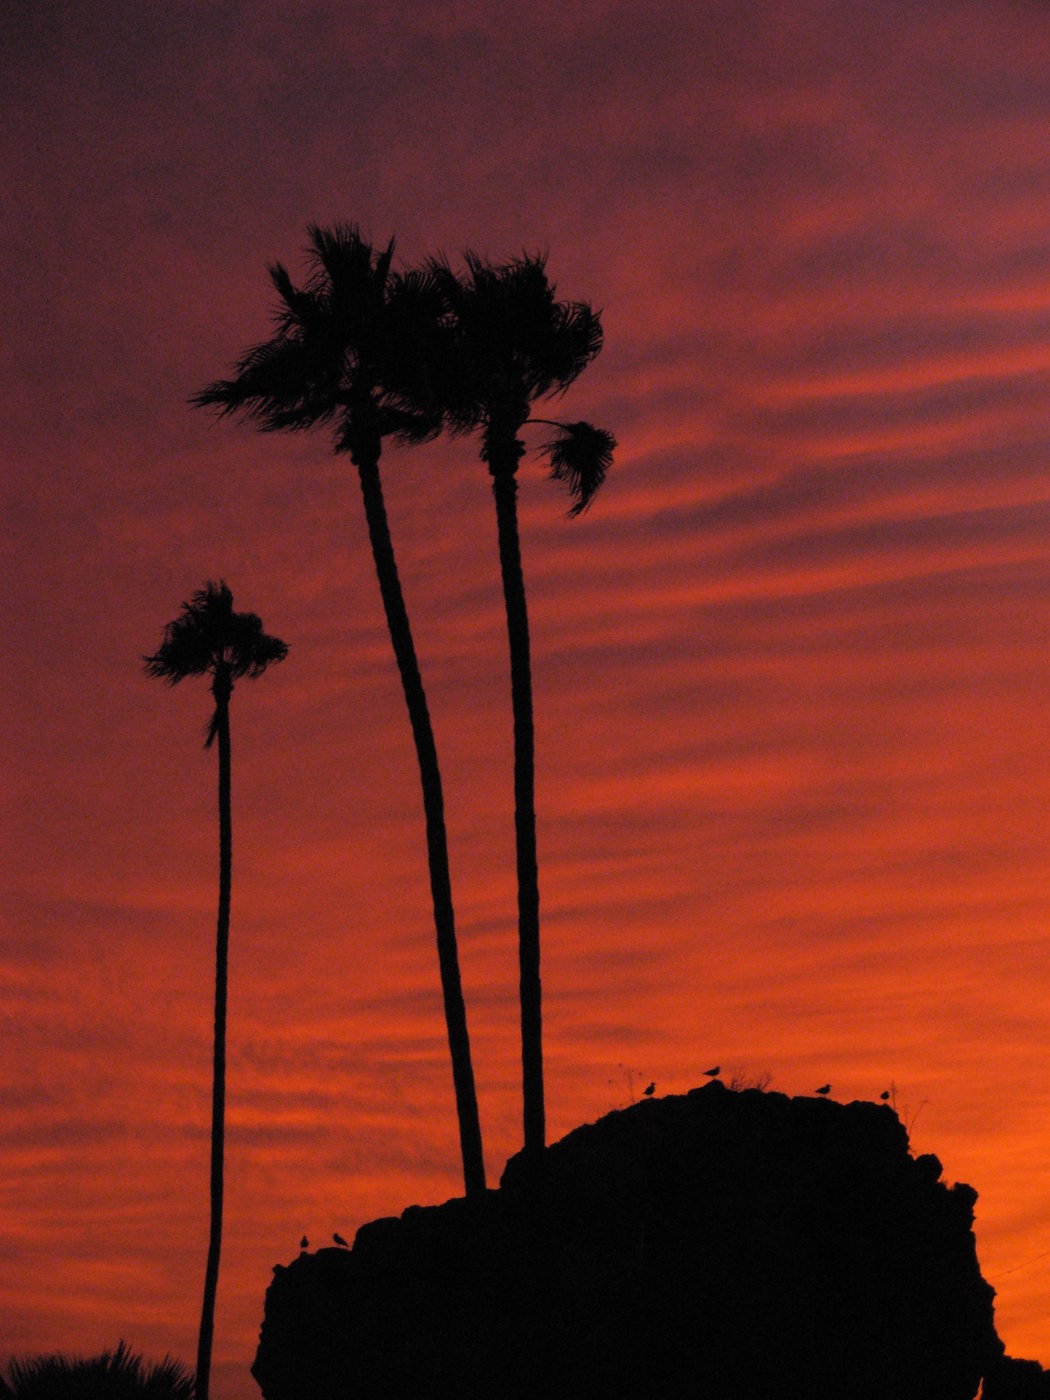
point(349, 348)
point(112, 1375)
point(209, 638)
point(510, 342)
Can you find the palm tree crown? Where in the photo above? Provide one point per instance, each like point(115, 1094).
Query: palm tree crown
point(349, 346)
point(112, 1375)
point(208, 637)
point(508, 341)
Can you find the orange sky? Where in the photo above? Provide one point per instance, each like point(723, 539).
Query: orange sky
point(790, 671)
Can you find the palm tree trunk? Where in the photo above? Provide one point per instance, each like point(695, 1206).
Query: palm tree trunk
point(503, 462)
point(218, 1100)
point(434, 810)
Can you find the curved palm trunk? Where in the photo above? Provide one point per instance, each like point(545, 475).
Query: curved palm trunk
point(503, 462)
point(434, 810)
point(221, 690)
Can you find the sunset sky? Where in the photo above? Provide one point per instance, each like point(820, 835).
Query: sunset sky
point(791, 670)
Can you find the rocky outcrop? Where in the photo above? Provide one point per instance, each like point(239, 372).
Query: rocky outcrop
point(715, 1244)
point(1014, 1379)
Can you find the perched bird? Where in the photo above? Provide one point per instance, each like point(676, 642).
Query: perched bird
point(884, 1096)
point(711, 1073)
point(824, 1089)
point(649, 1090)
point(304, 1243)
point(340, 1241)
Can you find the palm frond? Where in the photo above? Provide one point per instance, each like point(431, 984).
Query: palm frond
point(578, 340)
point(510, 341)
point(189, 645)
point(408, 424)
point(208, 636)
point(358, 341)
point(296, 307)
point(342, 254)
point(580, 456)
point(112, 1375)
point(383, 263)
point(413, 353)
point(281, 384)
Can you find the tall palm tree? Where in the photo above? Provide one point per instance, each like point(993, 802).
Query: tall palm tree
point(349, 348)
point(509, 342)
point(209, 638)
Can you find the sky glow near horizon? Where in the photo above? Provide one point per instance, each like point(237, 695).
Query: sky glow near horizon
point(790, 671)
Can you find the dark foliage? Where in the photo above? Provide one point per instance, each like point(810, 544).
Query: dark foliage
point(579, 455)
point(112, 1375)
point(506, 342)
point(351, 346)
point(208, 635)
point(509, 340)
point(209, 638)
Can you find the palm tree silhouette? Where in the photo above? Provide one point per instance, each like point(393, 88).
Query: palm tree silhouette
point(350, 348)
point(508, 343)
point(111, 1375)
point(209, 638)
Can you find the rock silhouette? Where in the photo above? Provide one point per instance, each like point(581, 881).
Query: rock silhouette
point(713, 1244)
point(1013, 1379)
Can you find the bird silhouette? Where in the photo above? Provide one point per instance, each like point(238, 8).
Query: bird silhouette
point(304, 1243)
point(824, 1089)
point(884, 1095)
point(649, 1090)
point(713, 1071)
point(340, 1241)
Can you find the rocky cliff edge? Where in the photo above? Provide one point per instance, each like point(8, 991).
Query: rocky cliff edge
point(716, 1244)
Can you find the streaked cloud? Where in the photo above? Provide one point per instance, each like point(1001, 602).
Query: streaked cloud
point(790, 669)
